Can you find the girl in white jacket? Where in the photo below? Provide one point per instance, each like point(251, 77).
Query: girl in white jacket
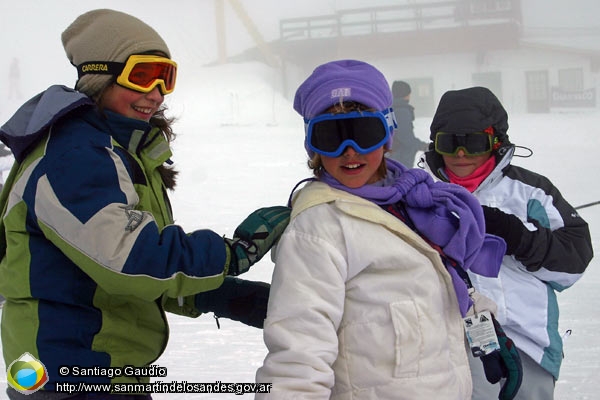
point(361, 305)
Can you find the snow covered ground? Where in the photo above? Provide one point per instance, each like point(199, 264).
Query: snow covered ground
point(240, 148)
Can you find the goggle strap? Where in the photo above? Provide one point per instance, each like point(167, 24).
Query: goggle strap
point(388, 113)
point(390, 117)
point(100, 67)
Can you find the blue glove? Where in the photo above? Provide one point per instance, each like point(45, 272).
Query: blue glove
point(504, 363)
point(255, 236)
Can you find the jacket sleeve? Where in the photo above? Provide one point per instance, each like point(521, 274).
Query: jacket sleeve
point(86, 204)
point(304, 313)
point(558, 248)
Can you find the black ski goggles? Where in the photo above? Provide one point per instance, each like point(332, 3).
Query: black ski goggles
point(473, 144)
point(364, 131)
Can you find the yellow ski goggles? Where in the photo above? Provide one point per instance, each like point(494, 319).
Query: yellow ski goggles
point(141, 73)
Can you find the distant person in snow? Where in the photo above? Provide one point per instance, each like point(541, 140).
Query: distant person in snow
point(406, 144)
point(92, 257)
point(362, 304)
point(548, 243)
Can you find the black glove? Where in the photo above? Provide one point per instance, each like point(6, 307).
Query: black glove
point(255, 236)
point(504, 363)
point(237, 299)
point(509, 227)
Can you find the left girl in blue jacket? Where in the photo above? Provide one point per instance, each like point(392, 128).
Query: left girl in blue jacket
point(90, 256)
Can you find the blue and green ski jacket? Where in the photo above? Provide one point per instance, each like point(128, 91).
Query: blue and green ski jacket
point(90, 255)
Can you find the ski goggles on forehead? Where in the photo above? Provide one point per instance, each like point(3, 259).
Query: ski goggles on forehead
point(473, 144)
point(364, 131)
point(141, 73)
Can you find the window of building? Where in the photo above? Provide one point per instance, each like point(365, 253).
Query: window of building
point(570, 79)
point(537, 91)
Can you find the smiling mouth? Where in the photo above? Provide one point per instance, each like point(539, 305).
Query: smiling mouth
point(143, 110)
point(352, 166)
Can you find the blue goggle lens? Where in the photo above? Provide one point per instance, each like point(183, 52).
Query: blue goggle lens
point(331, 134)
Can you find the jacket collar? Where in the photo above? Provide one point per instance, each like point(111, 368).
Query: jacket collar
point(502, 162)
point(433, 163)
point(132, 134)
point(315, 193)
point(33, 118)
point(138, 137)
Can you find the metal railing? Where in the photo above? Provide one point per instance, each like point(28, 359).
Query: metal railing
point(406, 17)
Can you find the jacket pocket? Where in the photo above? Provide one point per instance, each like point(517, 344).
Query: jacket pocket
point(389, 345)
point(408, 338)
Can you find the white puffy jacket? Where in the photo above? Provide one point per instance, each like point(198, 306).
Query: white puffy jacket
point(360, 308)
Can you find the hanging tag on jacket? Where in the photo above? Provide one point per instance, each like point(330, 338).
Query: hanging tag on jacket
point(481, 334)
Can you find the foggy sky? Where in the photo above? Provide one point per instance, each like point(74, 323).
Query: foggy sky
point(31, 28)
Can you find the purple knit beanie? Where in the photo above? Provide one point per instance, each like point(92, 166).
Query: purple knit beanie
point(343, 80)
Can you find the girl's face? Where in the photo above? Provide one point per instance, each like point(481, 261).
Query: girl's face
point(130, 103)
point(353, 169)
point(463, 165)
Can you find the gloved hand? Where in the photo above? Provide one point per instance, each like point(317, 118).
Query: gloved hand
point(504, 363)
point(481, 303)
point(255, 236)
point(509, 227)
point(237, 299)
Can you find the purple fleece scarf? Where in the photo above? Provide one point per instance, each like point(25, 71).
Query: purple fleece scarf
point(445, 214)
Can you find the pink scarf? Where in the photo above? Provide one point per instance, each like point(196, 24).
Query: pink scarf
point(472, 181)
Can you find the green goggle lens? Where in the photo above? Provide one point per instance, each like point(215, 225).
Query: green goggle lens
point(472, 144)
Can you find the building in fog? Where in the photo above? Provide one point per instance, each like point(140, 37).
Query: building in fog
point(442, 45)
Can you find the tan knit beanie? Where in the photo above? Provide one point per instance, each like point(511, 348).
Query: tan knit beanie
point(107, 35)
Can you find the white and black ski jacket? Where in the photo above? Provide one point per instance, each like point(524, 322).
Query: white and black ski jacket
point(560, 251)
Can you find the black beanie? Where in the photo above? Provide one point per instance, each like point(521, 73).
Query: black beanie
point(400, 89)
point(470, 110)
